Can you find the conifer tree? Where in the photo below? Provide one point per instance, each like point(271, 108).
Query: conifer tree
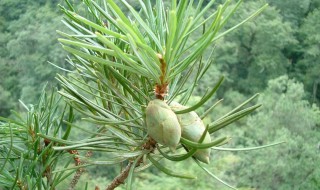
point(132, 75)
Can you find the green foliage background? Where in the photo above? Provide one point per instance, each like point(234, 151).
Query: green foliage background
point(277, 54)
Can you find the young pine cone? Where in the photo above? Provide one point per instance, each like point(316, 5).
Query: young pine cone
point(162, 124)
point(192, 129)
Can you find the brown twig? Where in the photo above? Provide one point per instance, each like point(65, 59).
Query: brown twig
point(120, 178)
point(149, 145)
point(79, 171)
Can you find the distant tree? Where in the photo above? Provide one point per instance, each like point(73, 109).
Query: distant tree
point(6, 101)
point(308, 66)
point(287, 116)
point(12, 10)
point(292, 11)
point(27, 43)
point(255, 53)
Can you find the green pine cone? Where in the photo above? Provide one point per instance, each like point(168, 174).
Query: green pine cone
point(192, 129)
point(162, 124)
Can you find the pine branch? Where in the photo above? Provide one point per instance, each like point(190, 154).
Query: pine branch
point(79, 171)
point(149, 145)
point(120, 178)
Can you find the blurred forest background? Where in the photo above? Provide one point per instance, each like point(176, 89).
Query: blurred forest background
point(277, 55)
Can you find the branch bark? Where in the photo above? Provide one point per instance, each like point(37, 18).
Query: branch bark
point(79, 171)
point(149, 145)
point(120, 178)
